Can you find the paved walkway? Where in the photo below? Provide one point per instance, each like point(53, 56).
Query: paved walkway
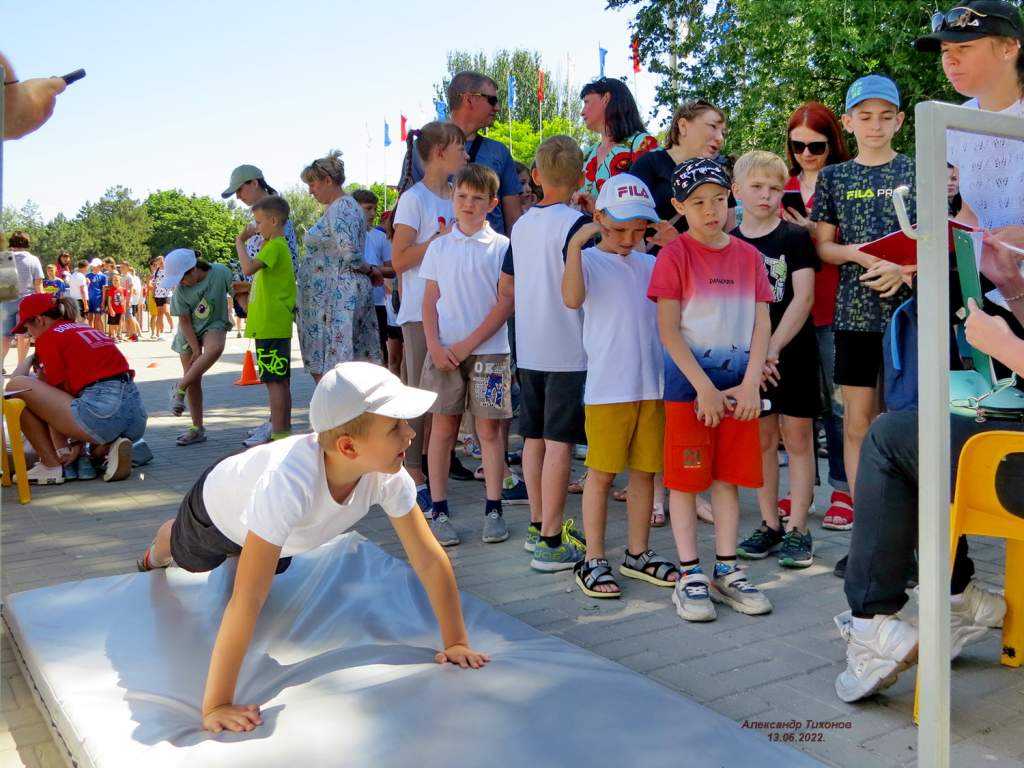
point(778, 667)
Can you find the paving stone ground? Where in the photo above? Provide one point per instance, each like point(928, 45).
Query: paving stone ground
point(778, 667)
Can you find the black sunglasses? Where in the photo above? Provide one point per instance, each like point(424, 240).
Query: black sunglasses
point(960, 18)
point(814, 147)
point(492, 100)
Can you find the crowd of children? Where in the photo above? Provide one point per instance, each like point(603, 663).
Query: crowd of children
point(686, 352)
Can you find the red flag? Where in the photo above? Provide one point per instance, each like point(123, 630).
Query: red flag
point(405, 133)
point(540, 87)
point(636, 54)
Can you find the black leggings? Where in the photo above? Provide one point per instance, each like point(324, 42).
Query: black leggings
point(885, 531)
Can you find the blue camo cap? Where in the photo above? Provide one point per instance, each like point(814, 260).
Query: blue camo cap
point(872, 87)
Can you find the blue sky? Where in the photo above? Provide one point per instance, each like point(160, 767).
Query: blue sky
point(177, 94)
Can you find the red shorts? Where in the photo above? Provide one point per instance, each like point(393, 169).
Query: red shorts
point(695, 455)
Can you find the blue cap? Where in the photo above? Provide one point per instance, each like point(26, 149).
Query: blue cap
point(872, 87)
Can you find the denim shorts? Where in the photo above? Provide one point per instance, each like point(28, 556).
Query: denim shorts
point(10, 317)
point(110, 409)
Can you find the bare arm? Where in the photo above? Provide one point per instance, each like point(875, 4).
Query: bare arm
point(796, 313)
point(747, 394)
point(29, 104)
point(256, 567)
point(434, 570)
point(711, 404)
point(185, 326)
point(831, 252)
point(444, 358)
point(574, 289)
point(511, 210)
point(249, 265)
point(405, 252)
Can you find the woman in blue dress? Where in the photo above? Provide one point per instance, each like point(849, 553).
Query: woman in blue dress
point(337, 321)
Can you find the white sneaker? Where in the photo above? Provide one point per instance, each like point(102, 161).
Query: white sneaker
point(979, 611)
point(119, 460)
point(734, 590)
point(875, 658)
point(44, 475)
point(260, 436)
point(692, 599)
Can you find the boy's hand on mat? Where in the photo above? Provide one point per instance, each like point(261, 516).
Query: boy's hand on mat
point(232, 717)
point(462, 655)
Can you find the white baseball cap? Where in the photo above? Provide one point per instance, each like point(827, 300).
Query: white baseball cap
point(352, 389)
point(176, 264)
point(625, 198)
point(95, 263)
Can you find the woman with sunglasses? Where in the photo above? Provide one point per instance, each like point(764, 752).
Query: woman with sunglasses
point(814, 139)
point(610, 111)
point(980, 45)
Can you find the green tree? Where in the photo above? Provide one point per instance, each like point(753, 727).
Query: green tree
point(561, 98)
point(193, 221)
point(760, 60)
point(525, 138)
point(305, 210)
point(116, 225)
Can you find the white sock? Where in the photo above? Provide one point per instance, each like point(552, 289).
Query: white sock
point(421, 487)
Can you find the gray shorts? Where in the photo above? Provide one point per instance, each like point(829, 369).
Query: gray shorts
point(109, 409)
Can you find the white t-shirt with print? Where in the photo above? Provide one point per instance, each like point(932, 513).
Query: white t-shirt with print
point(288, 502)
point(991, 172)
point(549, 335)
point(620, 329)
point(136, 297)
point(420, 209)
point(466, 269)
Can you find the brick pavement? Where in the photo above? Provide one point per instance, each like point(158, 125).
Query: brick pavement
point(777, 667)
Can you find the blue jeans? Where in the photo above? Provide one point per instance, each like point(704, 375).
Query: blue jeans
point(833, 420)
point(108, 410)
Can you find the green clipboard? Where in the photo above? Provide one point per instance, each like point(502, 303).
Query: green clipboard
point(970, 288)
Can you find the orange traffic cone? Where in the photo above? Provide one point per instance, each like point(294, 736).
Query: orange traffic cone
point(248, 372)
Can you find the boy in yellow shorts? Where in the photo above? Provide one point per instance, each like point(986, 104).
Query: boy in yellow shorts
point(625, 418)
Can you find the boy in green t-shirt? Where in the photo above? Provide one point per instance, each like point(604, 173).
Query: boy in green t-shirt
point(271, 307)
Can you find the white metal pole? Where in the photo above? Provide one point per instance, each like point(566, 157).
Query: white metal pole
point(933, 436)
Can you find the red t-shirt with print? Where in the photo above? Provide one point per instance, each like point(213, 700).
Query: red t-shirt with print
point(74, 356)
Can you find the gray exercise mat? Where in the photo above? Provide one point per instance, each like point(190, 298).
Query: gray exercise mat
point(342, 665)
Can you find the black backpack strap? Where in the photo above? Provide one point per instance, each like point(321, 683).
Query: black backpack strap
point(474, 147)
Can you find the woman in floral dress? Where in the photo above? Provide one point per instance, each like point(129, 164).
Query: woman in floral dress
point(337, 321)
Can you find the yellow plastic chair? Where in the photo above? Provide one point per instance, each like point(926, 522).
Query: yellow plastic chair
point(977, 511)
point(12, 417)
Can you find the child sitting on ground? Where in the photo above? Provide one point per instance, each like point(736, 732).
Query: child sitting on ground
point(304, 491)
point(550, 357)
point(200, 303)
point(712, 294)
point(468, 363)
point(625, 416)
point(791, 369)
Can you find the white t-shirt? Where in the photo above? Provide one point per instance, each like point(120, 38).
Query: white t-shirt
point(549, 335)
point(288, 502)
point(420, 209)
point(466, 269)
point(76, 283)
point(136, 290)
point(991, 172)
point(29, 269)
point(620, 329)
point(376, 252)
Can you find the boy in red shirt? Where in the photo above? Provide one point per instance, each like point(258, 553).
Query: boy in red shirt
point(712, 292)
point(115, 305)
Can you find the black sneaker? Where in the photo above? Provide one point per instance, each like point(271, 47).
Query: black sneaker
point(760, 543)
point(456, 471)
point(840, 570)
point(797, 549)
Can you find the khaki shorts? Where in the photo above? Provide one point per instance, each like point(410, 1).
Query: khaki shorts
point(482, 385)
point(621, 435)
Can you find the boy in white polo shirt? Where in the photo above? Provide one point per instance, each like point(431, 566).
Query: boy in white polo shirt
point(468, 363)
point(549, 353)
point(304, 491)
point(625, 416)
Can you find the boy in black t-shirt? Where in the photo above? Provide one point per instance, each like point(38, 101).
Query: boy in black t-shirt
point(853, 206)
point(791, 367)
